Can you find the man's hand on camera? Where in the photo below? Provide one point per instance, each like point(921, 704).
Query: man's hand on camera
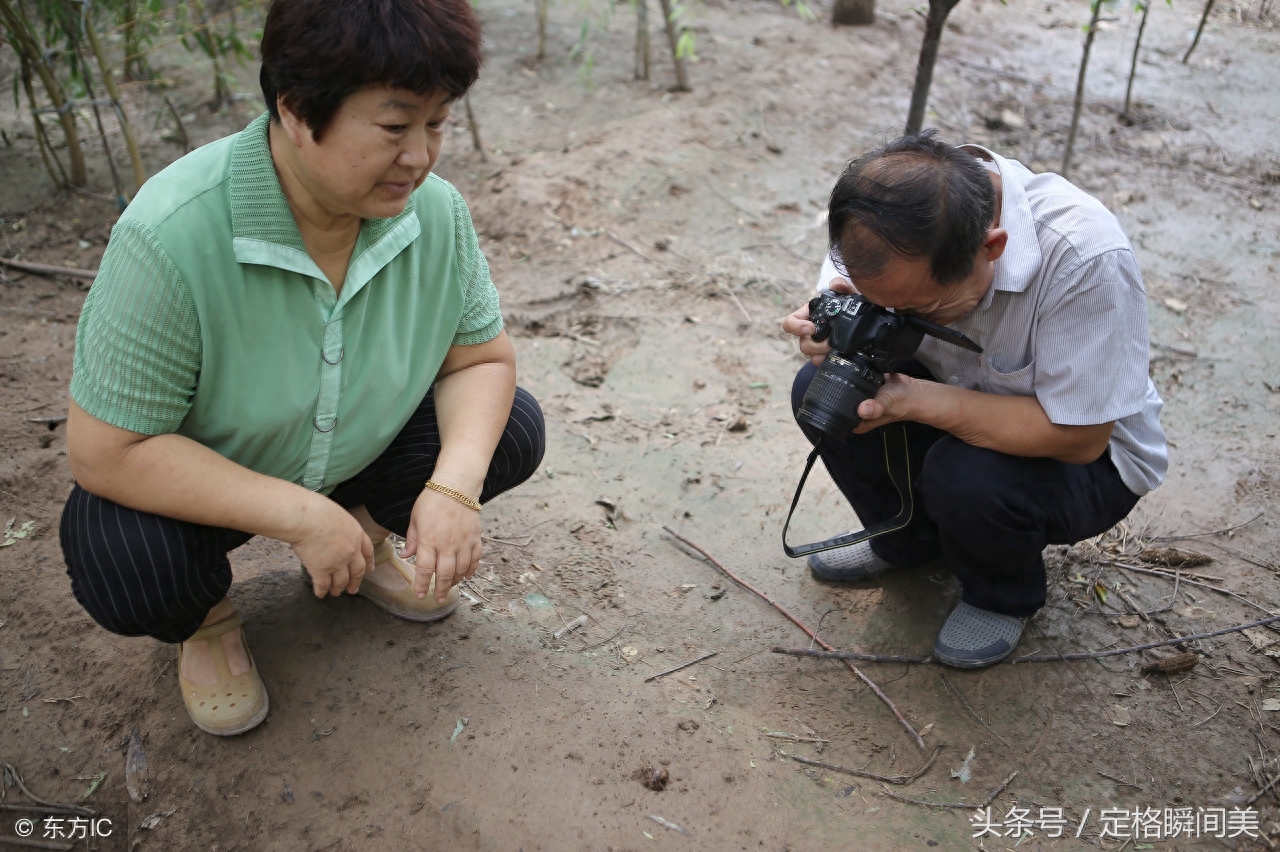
point(896, 400)
point(799, 324)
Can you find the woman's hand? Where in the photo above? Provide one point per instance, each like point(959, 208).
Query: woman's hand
point(333, 548)
point(799, 324)
point(445, 537)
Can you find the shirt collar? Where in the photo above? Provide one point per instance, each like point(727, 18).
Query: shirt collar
point(1018, 265)
point(260, 213)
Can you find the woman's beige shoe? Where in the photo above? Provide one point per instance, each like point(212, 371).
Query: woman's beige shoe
point(403, 602)
point(237, 703)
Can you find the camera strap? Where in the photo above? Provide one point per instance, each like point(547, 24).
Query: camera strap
point(897, 461)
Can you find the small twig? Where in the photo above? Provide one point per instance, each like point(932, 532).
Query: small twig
point(1174, 690)
point(626, 245)
point(471, 587)
point(741, 582)
point(1263, 791)
point(731, 202)
point(570, 627)
point(1207, 718)
point(1033, 658)
point(1210, 532)
point(48, 421)
point(49, 269)
point(29, 843)
point(705, 656)
point(986, 802)
point(972, 712)
point(747, 657)
point(508, 541)
point(11, 772)
point(794, 738)
point(1142, 613)
point(606, 641)
point(1122, 781)
point(900, 780)
point(1217, 589)
point(734, 296)
point(1048, 724)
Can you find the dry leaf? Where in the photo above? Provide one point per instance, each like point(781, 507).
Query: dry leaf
point(1130, 620)
point(1120, 715)
point(1261, 637)
point(1194, 612)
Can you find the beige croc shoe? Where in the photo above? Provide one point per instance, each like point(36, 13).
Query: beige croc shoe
point(237, 703)
point(403, 602)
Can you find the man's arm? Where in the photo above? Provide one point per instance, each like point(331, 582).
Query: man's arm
point(1015, 425)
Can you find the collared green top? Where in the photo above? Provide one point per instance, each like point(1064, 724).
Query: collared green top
point(209, 319)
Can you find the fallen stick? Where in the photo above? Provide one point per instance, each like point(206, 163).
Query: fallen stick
point(571, 626)
point(985, 804)
point(953, 689)
point(1127, 567)
point(798, 623)
point(1033, 658)
point(705, 656)
point(888, 779)
point(48, 269)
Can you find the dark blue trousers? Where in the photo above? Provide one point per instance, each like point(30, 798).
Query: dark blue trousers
point(987, 514)
point(139, 574)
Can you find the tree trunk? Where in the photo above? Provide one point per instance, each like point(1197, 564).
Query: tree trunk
point(541, 6)
point(933, 24)
point(11, 17)
point(475, 128)
point(682, 80)
point(853, 12)
point(642, 40)
point(1133, 66)
point(1208, 7)
point(135, 156)
point(1084, 65)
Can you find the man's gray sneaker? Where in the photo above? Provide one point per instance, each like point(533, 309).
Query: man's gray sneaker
point(849, 564)
point(972, 638)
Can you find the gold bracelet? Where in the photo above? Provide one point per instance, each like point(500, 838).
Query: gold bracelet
point(455, 494)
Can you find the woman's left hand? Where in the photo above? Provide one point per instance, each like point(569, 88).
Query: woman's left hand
point(445, 537)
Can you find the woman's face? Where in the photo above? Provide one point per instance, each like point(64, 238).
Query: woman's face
point(380, 146)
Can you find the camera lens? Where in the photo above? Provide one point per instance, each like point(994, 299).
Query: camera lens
point(831, 402)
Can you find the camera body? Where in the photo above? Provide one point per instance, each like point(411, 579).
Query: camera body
point(864, 339)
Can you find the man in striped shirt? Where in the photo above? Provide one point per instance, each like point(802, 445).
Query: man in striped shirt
point(1050, 435)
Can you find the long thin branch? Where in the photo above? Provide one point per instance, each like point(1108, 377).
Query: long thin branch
point(888, 779)
point(1033, 658)
point(48, 269)
point(972, 712)
point(985, 803)
point(674, 669)
point(1186, 536)
point(798, 623)
point(1212, 588)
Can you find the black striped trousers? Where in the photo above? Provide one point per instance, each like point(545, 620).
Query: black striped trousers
point(139, 574)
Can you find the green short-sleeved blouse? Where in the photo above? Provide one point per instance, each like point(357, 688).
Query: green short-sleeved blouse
point(209, 319)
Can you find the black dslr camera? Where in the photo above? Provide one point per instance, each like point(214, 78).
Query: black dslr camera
point(865, 339)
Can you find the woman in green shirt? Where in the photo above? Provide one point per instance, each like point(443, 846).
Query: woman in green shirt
point(294, 334)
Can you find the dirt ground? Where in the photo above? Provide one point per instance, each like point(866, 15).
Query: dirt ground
point(646, 244)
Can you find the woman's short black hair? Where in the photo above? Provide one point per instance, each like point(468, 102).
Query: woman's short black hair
point(917, 197)
point(317, 52)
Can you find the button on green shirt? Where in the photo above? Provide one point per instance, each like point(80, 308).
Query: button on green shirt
point(209, 319)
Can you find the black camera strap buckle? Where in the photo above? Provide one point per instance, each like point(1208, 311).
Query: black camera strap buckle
point(897, 461)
